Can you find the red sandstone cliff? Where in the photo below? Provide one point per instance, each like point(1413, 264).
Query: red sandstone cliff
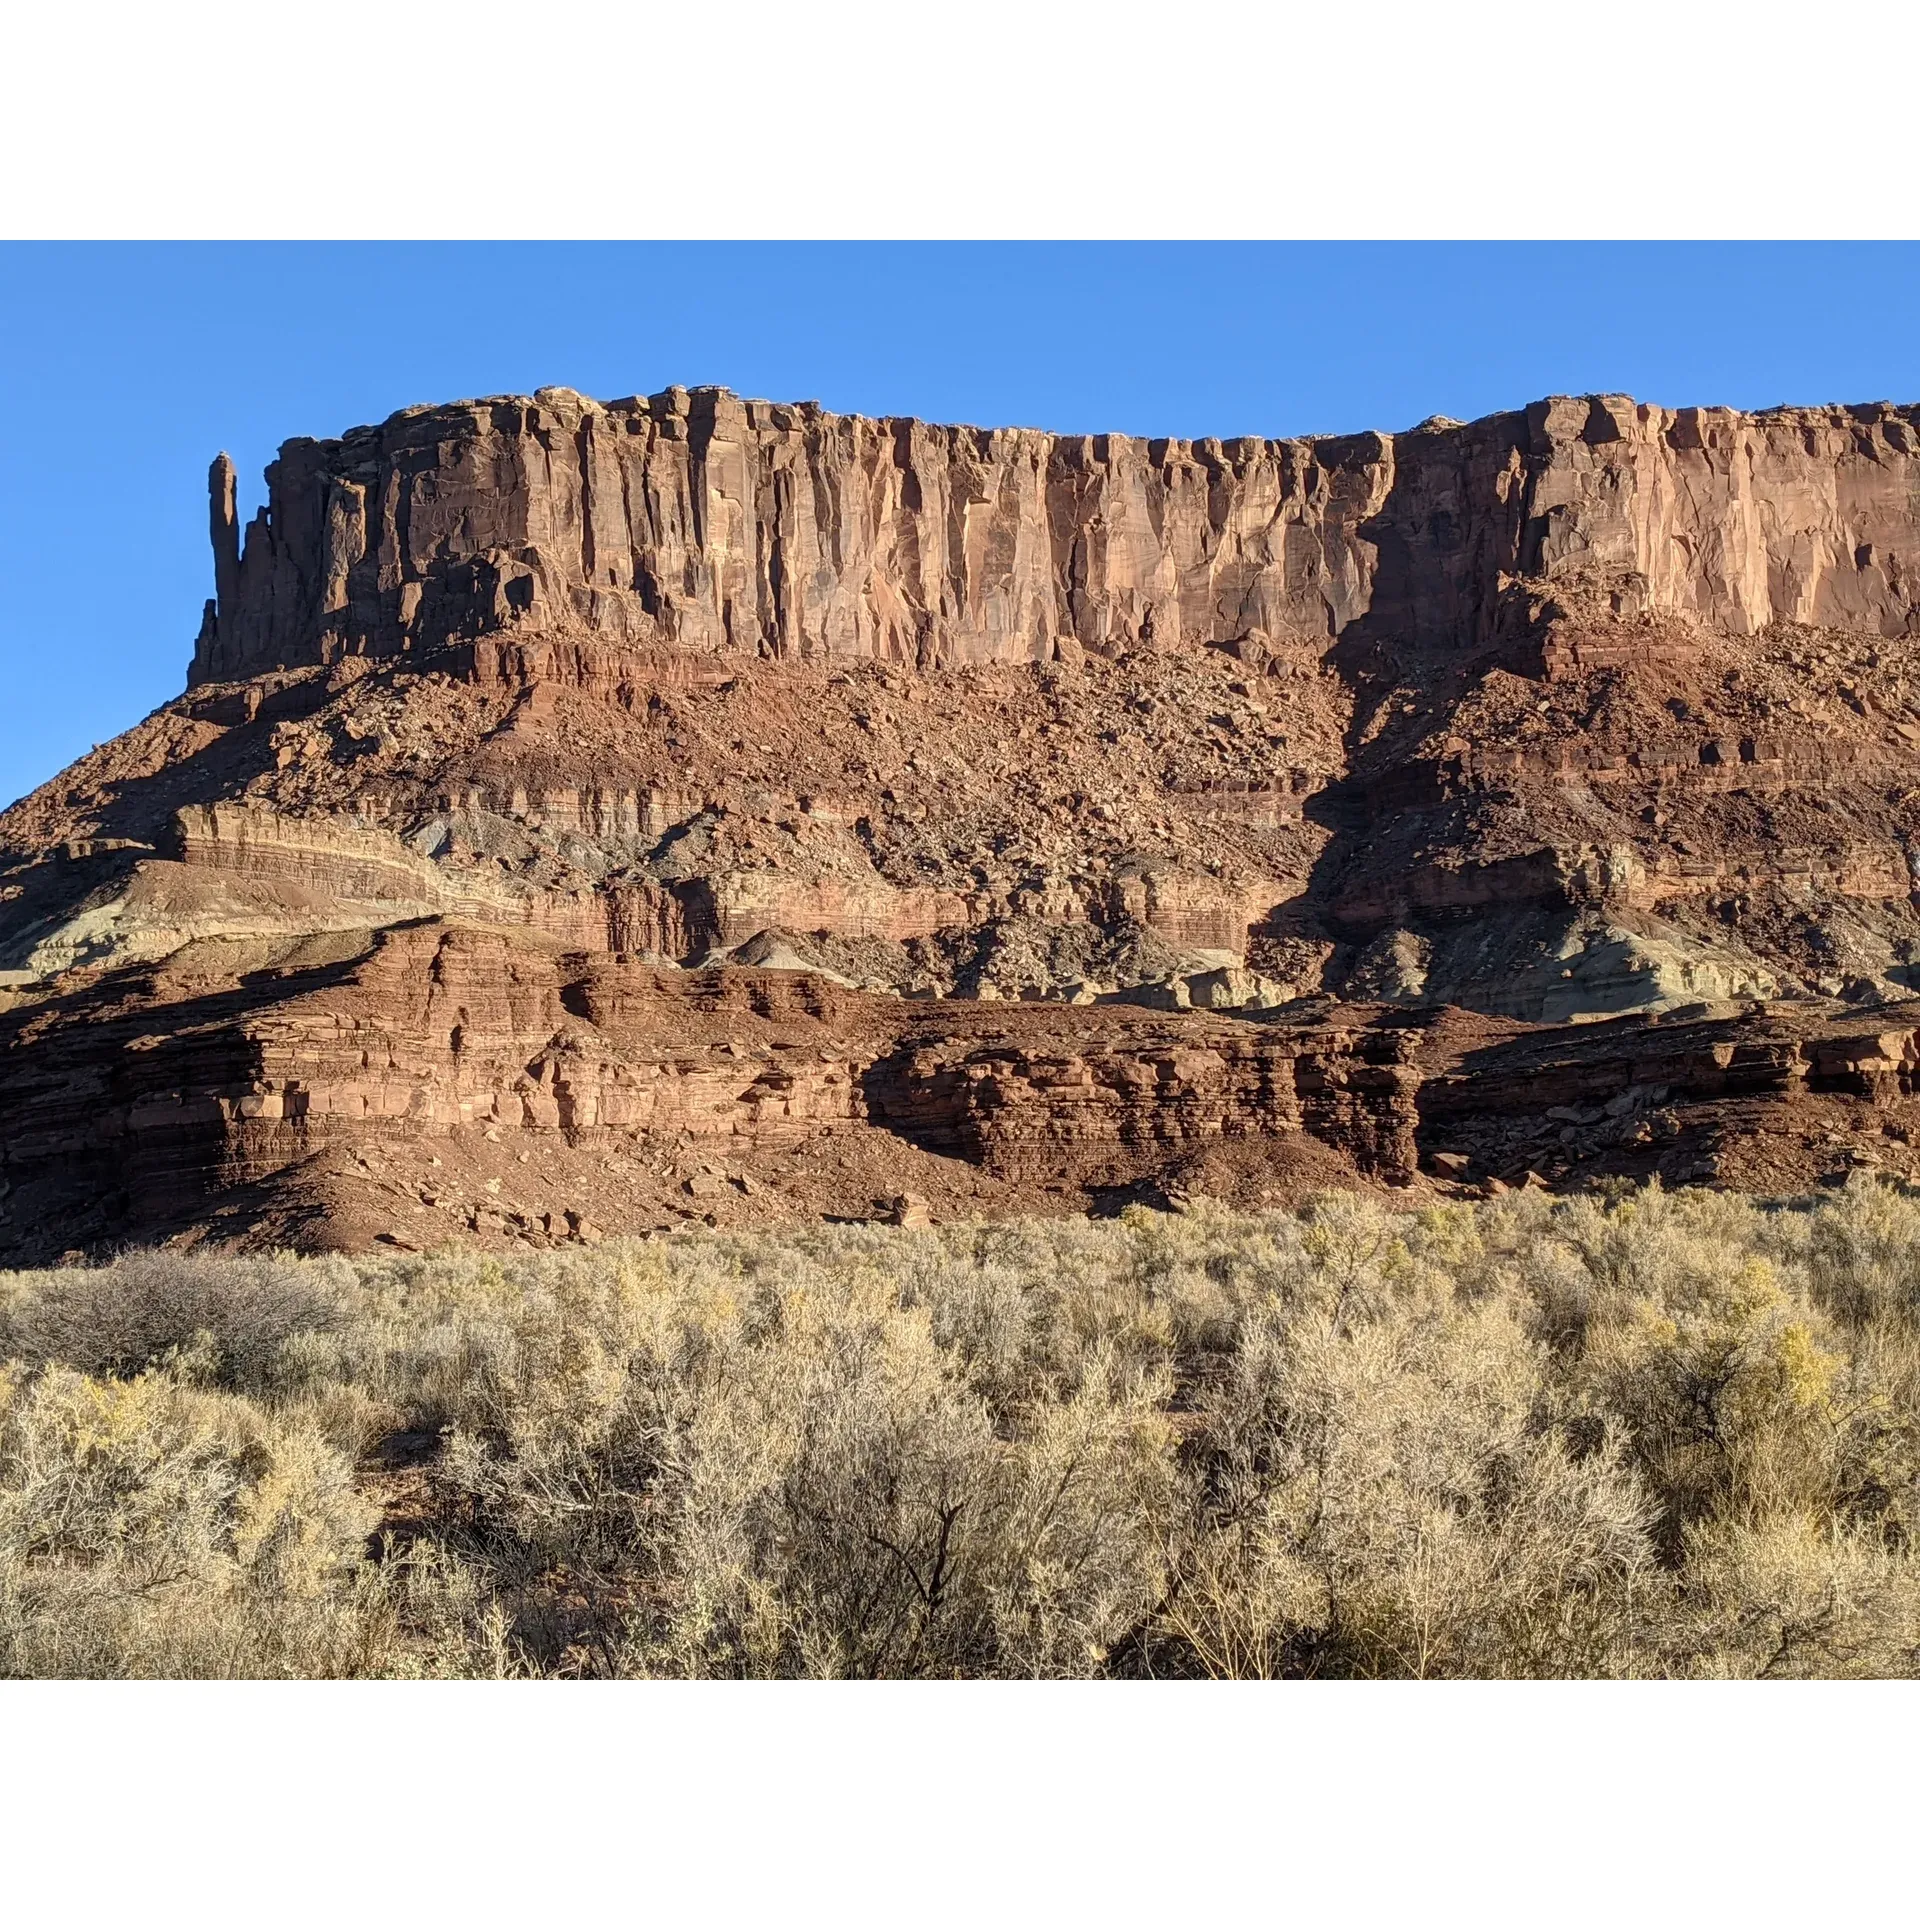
point(724, 525)
point(593, 788)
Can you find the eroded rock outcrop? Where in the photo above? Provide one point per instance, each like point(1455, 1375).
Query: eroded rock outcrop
point(435, 1080)
point(716, 804)
point(729, 526)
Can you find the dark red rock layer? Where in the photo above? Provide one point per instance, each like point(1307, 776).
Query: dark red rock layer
point(460, 1081)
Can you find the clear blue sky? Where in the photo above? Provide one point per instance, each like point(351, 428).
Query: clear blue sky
point(123, 369)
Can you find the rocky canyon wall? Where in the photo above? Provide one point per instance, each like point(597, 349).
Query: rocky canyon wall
point(697, 809)
point(432, 1082)
point(719, 525)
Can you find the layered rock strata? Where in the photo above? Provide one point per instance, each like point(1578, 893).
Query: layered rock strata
point(1584, 707)
point(669, 803)
point(159, 1096)
point(434, 1081)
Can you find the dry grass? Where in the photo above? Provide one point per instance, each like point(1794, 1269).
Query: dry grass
point(1640, 1434)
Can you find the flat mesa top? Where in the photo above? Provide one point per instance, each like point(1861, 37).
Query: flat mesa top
point(708, 403)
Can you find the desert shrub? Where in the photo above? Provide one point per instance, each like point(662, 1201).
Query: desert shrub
point(1724, 1383)
point(1863, 1255)
point(753, 1460)
point(232, 1316)
point(1635, 1432)
point(1791, 1597)
point(1755, 1356)
point(1388, 1501)
point(148, 1528)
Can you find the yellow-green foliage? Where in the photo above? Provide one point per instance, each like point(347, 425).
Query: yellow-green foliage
point(1636, 1433)
point(150, 1529)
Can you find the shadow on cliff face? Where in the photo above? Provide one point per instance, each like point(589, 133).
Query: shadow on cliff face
point(141, 779)
point(1402, 795)
point(138, 784)
point(110, 1120)
point(1435, 827)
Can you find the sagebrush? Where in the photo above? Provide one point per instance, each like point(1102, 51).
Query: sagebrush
point(1639, 1433)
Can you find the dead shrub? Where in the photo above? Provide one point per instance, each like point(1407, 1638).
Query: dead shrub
point(232, 1316)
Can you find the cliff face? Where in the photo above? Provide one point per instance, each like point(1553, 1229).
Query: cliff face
point(436, 1081)
point(620, 813)
point(719, 525)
